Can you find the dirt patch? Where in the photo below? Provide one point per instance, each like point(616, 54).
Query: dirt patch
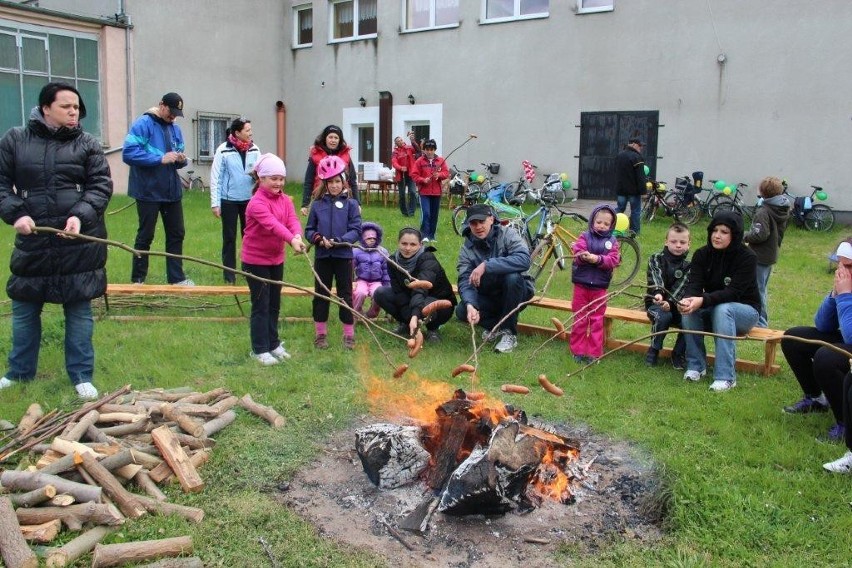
point(622, 499)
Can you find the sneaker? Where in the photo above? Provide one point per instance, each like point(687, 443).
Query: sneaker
point(651, 357)
point(579, 359)
point(321, 342)
point(506, 344)
point(432, 336)
point(280, 353)
point(4, 382)
point(679, 362)
point(349, 342)
point(186, 282)
point(805, 406)
point(86, 390)
point(425, 240)
point(836, 433)
point(719, 386)
point(265, 359)
point(694, 375)
point(488, 335)
point(842, 465)
point(588, 359)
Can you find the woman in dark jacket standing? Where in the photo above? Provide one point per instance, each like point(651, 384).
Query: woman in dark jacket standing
point(406, 305)
point(61, 180)
point(330, 142)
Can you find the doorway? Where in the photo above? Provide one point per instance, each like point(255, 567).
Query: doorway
point(366, 147)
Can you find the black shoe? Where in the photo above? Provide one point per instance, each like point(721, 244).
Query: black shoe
point(651, 357)
point(401, 329)
point(432, 336)
point(679, 362)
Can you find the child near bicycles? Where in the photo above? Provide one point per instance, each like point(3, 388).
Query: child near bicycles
point(334, 224)
point(767, 232)
point(271, 222)
point(596, 255)
point(371, 268)
point(667, 274)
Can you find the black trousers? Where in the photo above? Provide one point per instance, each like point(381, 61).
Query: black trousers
point(265, 306)
point(339, 270)
point(497, 295)
point(398, 305)
point(172, 214)
point(847, 408)
point(818, 369)
point(231, 213)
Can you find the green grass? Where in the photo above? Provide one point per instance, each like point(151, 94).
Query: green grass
point(746, 482)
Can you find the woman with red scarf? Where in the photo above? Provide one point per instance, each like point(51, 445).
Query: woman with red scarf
point(330, 142)
point(231, 187)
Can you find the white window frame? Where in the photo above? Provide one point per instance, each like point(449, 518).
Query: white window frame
point(297, 10)
point(581, 9)
point(210, 143)
point(432, 8)
point(356, 36)
point(516, 14)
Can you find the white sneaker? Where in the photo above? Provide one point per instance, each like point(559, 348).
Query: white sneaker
point(265, 359)
point(86, 390)
point(842, 465)
point(488, 335)
point(4, 382)
point(280, 353)
point(186, 282)
point(506, 344)
point(720, 386)
point(694, 376)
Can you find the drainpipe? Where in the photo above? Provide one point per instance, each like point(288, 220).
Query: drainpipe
point(127, 61)
point(280, 133)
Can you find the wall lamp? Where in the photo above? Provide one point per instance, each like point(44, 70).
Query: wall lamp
point(362, 102)
point(411, 98)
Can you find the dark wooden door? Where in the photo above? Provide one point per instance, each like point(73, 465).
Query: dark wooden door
point(602, 136)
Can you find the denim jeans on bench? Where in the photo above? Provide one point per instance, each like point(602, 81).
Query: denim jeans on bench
point(725, 319)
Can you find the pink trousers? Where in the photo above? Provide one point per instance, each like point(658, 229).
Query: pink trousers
point(362, 290)
point(587, 333)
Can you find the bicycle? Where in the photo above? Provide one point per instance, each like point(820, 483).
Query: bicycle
point(555, 186)
point(476, 192)
point(487, 183)
point(191, 183)
point(673, 203)
point(813, 217)
point(730, 200)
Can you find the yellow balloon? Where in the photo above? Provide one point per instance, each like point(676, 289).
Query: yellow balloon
point(727, 190)
point(563, 176)
point(649, 185)
point(622, 222)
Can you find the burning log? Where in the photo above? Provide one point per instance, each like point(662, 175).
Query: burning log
point(72, 517)
point(106, 555)
point(43, 533)
point(28, 480)
point(392, 455)
point(13, 548)
point(74, 549)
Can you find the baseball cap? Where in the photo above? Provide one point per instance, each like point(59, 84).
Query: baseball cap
point(175, 103)
point(478, 212)
point(636, 140)
point(430, 144)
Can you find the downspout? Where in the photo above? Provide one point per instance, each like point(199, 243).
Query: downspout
point(280, 132)
point(127, 86)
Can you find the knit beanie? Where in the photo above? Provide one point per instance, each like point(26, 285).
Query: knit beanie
point(270, 165)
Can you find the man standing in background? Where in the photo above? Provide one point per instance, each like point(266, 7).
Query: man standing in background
point(630, 180)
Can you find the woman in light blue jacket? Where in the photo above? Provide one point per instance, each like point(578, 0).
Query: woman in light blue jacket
point(231, 187)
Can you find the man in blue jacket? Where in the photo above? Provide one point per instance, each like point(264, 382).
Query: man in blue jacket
point(154, 150)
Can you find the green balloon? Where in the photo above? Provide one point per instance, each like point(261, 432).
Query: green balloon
point(647, 170)
point(720, 185)
point(821, 195)
point(566, 184)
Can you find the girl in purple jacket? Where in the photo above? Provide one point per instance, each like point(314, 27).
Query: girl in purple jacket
point(596, 255)
point(371, 268)
point(271, 222)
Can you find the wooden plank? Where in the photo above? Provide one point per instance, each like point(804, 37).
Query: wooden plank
point(177, 459)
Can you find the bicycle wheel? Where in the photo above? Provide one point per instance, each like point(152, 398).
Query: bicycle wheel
point(196, 184)
point(557, 195)
point(510, 194)
point(728, 205)
point(540, 256)
point(717, 201)
point(649, 208)
point(629, 266)
point(687, 214)
point(459, 213)
point(476, 191)
point(819, 218)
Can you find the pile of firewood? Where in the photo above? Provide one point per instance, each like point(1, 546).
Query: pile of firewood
point(87, 459)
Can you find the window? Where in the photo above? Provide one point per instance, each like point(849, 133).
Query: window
point(592, 6)
point(353, 19)
point(304, 25)
point(32, 56)
point(210, 132)
point(424, 14)
point(501, 10)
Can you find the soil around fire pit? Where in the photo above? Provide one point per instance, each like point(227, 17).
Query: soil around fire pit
point(621, 499)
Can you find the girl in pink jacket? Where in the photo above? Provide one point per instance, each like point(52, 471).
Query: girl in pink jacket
point(271, 222)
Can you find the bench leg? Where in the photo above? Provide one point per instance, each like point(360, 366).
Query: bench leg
point(769, 356)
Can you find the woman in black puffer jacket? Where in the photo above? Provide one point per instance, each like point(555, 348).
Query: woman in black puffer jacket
point(52, 174)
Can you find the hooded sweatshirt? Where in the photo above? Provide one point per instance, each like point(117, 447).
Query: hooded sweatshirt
point(767, 228)
point(724, 275)
point(603, 244)
point(372, 266)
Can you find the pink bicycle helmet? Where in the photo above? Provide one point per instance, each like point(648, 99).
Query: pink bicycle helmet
point(331, 166)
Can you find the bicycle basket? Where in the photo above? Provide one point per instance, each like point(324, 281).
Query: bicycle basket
point(494, 168)
point(457, 187)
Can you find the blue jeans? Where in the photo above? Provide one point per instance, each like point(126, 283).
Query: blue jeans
point(763, 272)
point(407, 195)
point(26, 341)
point(635, 202)
point(429, 208)
point(725, 319)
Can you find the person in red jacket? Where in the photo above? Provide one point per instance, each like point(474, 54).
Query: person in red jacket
point(428, 173)
point(402, 161)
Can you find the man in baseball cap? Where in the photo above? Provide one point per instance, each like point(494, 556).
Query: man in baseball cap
point(174, 102)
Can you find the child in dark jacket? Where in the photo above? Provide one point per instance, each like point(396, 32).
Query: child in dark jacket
point(596, 255)
point(667, 274)
point(371, 268)
point(334, 220)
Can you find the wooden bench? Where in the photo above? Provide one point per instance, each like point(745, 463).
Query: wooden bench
point(771, 337)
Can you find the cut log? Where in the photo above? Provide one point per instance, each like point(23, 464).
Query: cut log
point(177, 459)
point(74, 549)
point(62, 500)
point(124, 499)
point(164, 508)
point(75, 433)
point(204, 397)
point(34, 497)
point(187, 424)
point(72, 517)
point(453, 431)
point(106, 555)
point(42, 533)
point(13, 548)
point(68, 447)
point(392, 456)
point(267, 413)
point(211, 427)
point(125, 417)
point(94, 434)
point(225, 404)
point(30, 418)
point(125, 429)
point(144, 481)
point(194, 443)
point(131, 408)
point(191, 562)
point(27, 481)
point(145, 459)
point(197, 459)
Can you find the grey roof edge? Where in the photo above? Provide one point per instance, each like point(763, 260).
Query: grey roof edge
point(117, 21)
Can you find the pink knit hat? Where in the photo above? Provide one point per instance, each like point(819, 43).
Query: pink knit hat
point(270, 165)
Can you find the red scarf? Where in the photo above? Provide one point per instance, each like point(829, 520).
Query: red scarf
point(241, 145)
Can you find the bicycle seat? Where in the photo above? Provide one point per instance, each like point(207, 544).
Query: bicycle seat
point(190, 172)
point(816, 187)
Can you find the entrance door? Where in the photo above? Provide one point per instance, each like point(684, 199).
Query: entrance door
point(602, 136)
point(366, 148)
